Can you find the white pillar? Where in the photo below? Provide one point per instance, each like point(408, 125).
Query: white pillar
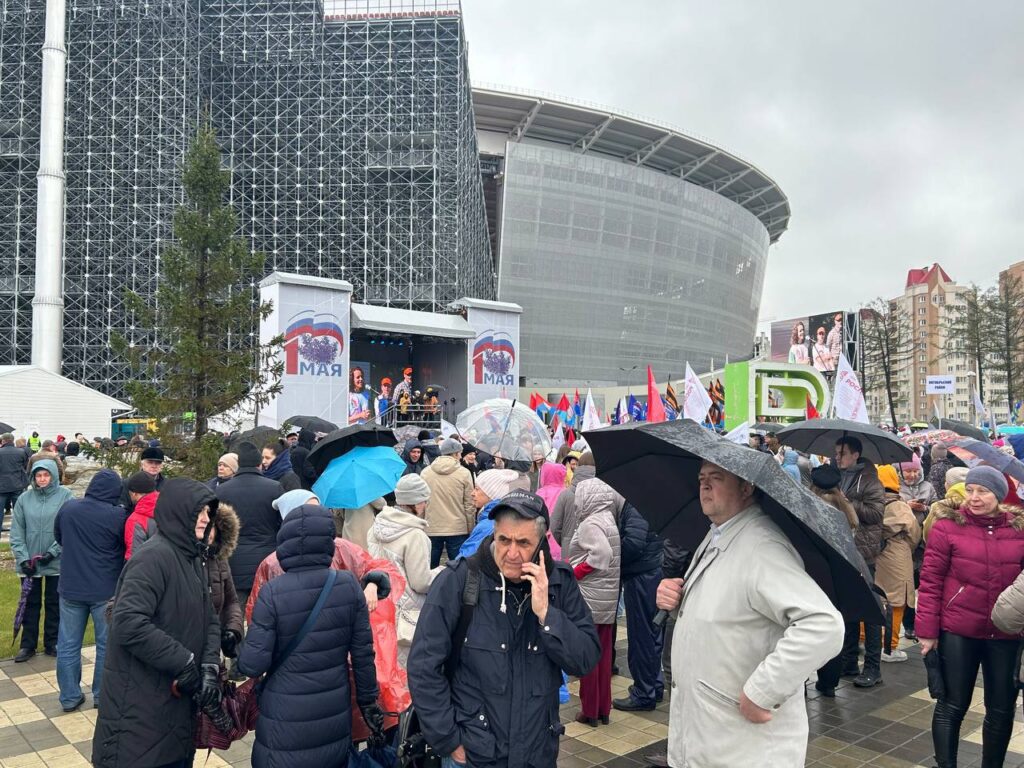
point(48, 302)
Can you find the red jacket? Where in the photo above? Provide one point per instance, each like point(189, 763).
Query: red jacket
point(142, 518)
point(968, 561)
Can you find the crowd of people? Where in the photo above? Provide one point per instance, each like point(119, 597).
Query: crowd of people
point(473, 587)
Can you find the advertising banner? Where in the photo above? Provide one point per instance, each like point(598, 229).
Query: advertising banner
point(817, 340)
point(493, 354)
point(312, 314)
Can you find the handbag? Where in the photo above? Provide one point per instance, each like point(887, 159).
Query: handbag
point(239, 706)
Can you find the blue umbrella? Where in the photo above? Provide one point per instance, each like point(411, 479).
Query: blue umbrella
point(359, 476)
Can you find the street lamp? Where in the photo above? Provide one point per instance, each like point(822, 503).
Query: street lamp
point(629, 378)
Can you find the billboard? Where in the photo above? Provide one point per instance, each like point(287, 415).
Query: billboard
point(816, 340)
point(494, 353)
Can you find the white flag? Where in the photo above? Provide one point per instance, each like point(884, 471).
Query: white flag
point(590, 418)
point(849, 397)
point(557, 440)
point(624, 415)
point(696, 402)
point(739, 434)
point(448, 430)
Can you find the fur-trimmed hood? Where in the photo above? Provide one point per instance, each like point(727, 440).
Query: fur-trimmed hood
point(228, 526)
point(958, 516)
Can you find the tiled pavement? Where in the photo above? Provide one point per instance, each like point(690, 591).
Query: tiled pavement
point(885, 726)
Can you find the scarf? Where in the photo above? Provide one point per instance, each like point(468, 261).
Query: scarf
point(280, 466)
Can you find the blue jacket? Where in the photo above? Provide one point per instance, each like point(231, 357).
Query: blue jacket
point(642, 550)
point(484, 527)
point(502, 702)
point(91, 533)
point(305, 708)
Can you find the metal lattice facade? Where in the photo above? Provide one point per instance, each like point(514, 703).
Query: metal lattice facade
point(349, 132)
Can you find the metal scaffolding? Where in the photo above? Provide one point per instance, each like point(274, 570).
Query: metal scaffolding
point(348, 130)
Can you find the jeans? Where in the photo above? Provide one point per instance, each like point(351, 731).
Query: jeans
point(44, 589)
point(961, 657)
point(73, 617)
point(450, 544)
point(448, 762)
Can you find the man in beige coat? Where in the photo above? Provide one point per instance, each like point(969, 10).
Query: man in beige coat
point(752, 626)
point(451, 513)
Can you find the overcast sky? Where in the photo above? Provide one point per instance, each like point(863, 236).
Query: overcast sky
point(896, 129)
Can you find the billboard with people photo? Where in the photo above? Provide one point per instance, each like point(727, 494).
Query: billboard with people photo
point(817, 340)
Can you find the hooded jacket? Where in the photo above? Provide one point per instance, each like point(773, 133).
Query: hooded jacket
point(969, 561)
point(140, 526)
point(305, 706)
point(501, 703)
point(894, 569)
point(790, 464)
point(411, 467)
point(251, 496)
point(1008, 613)
point(32, 521)
point(864, 491)
point(596, 542)
point(91, 534)
point(563, 516)
point(450, 510)
point(222, 587)
point(163, 617)
point(552, 483)
point(400, 537)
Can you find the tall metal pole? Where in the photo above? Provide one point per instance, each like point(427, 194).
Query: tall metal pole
point(48, 301)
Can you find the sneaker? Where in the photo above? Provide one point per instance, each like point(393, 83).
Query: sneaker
point(869, 678)
point(895, 656)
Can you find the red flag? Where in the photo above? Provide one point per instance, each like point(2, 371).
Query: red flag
point(535, 400)
point(570, 437)
point(812, 412)
point(563, 404)
point(555, 424)
point(655, 408)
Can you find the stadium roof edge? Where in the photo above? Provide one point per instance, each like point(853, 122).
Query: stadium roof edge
point(591, 128)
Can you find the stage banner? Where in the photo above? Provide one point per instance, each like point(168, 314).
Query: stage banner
point(312, 313)
point(494, 354)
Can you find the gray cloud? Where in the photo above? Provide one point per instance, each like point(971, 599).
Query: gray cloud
point(894, 128)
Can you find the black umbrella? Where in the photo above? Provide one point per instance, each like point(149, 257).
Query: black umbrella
point(962, 428)
point(312, 423)
point(341, 441)
point(258, 436)
point(819, 436)
point(655, 466)
point(769, 427)
point(4, 427)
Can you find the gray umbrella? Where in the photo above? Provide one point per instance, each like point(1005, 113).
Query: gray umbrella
point(5, 427)
point(819, 436)
point(655, 467)
point(962, 428)
point(989, 454)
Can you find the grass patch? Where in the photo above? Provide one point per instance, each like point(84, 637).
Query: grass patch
point(10, 592)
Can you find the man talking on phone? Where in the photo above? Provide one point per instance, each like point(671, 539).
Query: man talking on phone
point(486, 661)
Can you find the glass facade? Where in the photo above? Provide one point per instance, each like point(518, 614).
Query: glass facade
point(618, 266)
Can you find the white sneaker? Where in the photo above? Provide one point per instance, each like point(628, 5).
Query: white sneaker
point(895, 656)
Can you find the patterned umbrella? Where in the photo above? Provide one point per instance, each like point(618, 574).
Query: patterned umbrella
point(19, 614)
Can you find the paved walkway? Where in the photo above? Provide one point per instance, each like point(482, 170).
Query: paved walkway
point(886, 726)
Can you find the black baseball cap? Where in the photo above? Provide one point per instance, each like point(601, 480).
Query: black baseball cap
point(152, 453)
point(525, 504)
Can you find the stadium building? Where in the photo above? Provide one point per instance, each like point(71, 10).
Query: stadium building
point(359, 151)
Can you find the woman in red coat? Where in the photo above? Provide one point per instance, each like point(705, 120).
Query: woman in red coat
point(973, 554)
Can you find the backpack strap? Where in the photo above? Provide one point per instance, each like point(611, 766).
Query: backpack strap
point(470, 597)
point(332, 576)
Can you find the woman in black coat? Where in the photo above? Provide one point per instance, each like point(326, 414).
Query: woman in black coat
point(163, 632)
point(305, 707)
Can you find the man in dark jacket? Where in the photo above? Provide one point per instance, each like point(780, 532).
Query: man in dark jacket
point(163, 644)
point(641, 573)
point(91, 534)
point(499, 705)
point(305, 708)
point(151, 461)
point(863, 489)
point(252, 496)
point(13, 477)
point(300, 451)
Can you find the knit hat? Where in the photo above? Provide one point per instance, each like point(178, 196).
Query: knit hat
point(450, 446)
point(141, 482)
point(826, 477)
point(412, 489)
point(495, 482)
point(989, 477)
point(890, 480)
point(230, 460)
point(954, 476)
point(938, 452)
point(152, 454)
point(286, 502)
point(248, 455)
point(909, 466)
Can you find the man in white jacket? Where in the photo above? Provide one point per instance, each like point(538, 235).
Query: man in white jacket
point(751, 628)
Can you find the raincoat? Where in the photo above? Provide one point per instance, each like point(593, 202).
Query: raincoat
point(32, 522)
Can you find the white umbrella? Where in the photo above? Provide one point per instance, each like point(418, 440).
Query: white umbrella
point(505, 428)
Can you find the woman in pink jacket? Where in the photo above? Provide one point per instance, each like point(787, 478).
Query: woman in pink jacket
point(973, 554)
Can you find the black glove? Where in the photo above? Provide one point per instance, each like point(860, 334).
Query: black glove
point(46, 559)
point(28, 568)
point(229, 643)
point(373, 715)
point(209, 694)
point(381, 579)
point(188, 681)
